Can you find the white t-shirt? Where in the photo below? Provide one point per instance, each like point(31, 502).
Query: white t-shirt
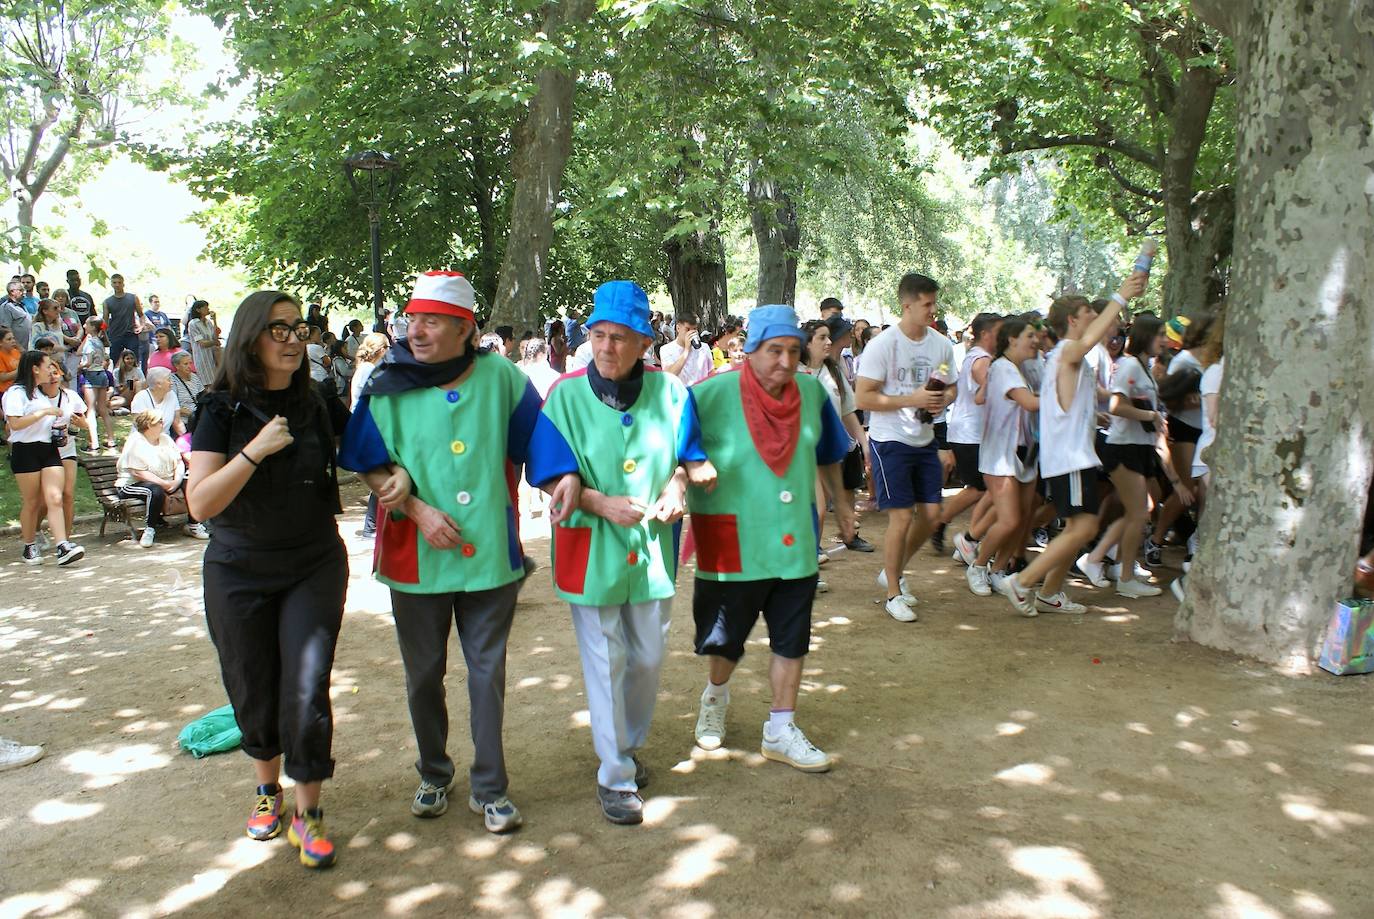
point(541, 375)
point(902, 366)
point(1066, 431)
point(93, 354)
point(698, 366)
point(17, 404)
point(1211, 386)
point(143, 402)
point(1132, 380)
point(316, 355)
point(1003, 429)
point(581, 357)
point(1185, 360)
point(842, 398)
point(966, 416)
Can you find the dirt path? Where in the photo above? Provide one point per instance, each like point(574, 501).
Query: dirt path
point(988, 766)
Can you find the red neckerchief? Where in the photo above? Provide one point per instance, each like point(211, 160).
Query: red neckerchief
point(774, 424)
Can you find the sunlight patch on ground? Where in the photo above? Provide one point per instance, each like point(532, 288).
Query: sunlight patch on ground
point(49, 903)
point(701, 861)
point(694, 909)
point(113, 767)
point(495, 893)
point(560, 897)
point(658, 810)
point(404, 904)
point(350, 890)
point(1027, 774)
point(1310, 810)
point(1139, 728)
point(242, 855)
point(1009, 729)
point(581, 718)
point(1066, 886)
point(1240, 904)
point(1310, 904)
point(55, 811)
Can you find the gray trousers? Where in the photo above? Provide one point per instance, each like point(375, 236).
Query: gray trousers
point(422, 626)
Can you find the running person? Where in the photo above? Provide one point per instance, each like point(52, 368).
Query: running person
point(1068, 461)
point(967, 417)
point(767, 430)
point(907, 475)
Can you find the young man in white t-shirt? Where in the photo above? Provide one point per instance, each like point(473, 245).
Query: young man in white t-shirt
point(1068, 457)
point(685, 356)
point(891, 386)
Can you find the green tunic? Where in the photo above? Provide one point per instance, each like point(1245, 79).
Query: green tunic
point(755, 525)
point(632, 453)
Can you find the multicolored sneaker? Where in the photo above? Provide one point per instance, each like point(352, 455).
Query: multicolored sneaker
point(265, 821)
point(307, 834)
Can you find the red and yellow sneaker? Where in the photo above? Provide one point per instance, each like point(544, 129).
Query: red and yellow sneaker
point(307, 834)
point(265, 821)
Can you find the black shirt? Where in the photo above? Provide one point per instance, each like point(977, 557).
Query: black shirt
point(291, 498)
point(81, 303)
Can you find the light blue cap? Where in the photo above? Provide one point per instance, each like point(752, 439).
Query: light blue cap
point(624, 303)
point(773, 321)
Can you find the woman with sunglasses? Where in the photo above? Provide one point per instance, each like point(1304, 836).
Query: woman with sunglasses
point(262, 469)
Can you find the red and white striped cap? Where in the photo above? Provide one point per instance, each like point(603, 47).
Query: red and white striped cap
point(444, 292)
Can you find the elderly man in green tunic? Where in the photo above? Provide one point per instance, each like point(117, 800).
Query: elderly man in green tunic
point(631, 434)
point(768, 431)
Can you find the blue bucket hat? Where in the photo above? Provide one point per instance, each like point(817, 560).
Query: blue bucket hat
point(773, 321)
point(624, 303)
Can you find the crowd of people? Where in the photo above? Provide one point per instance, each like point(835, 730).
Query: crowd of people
point(1064, 430)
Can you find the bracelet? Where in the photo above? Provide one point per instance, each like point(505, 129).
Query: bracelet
point(1118, 299)
point(250, 459)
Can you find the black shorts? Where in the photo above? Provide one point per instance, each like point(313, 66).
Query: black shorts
point(1139, 458)
point(31, 457)
point(941, 429)
point(1074, 493)
point(1182, 431)
point(725, 613)
point(852, 472)
point(966, 463)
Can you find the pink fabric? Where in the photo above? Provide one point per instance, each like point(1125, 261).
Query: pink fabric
point(161, 359)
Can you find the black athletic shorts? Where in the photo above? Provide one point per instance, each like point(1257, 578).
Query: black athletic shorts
point(725, 613)
point(853, 469)
point(1074, 492)
point(1139, 458)
point(941, 429)
point(33, 457)
point(1182, 431)
point(966, 463)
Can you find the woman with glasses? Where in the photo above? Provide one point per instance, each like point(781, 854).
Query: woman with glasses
point(262, 468)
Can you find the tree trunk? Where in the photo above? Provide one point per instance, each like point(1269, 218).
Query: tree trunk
point(488, 233)
point(696, 277)
point(1292, 459)
point(777, 236)
point(542, 144)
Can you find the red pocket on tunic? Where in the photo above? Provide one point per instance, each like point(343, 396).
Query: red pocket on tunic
point(717, 539)
point(397, 555)
point(572, 547)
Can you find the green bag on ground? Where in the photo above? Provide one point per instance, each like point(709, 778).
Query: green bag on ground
point(216, 732)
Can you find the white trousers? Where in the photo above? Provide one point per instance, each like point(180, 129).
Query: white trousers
point(622, 651)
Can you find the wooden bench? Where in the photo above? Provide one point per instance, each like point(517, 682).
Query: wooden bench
point(103, 470)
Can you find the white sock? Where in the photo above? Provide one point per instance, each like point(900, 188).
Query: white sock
point(777, 720)
point(716, 693)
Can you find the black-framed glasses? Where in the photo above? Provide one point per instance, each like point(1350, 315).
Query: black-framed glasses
point(281, 331)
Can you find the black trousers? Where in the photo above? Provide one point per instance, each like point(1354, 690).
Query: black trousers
point(274, 618)
point(154, 500)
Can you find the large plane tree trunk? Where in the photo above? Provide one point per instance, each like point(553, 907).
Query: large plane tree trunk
point(1292, 459)
point(777, 237)
point(696, 277)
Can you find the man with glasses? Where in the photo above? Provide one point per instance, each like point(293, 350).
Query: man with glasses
point(440, 433)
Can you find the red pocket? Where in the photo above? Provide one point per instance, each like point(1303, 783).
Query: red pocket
point(572, 546)
point(397, 555)
point(717, 538)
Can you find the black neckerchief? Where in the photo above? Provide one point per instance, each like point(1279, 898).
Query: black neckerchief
point(618, 394)
point(400, 371)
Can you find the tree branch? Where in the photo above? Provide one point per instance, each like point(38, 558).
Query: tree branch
point(1043, 142)
point(1105, 161)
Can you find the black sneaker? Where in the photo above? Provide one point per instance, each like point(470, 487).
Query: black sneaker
point(1154, 554)
point(641, 773)
point(31, 555)
point(1041, 537)
point(859, 544)
point(937, 539)
point(68, 552)
point(622, 807)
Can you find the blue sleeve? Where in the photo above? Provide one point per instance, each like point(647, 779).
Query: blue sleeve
point(550, 455)
point(689, 448)
point(362, 448)
point(834, 442)
point(522, 423)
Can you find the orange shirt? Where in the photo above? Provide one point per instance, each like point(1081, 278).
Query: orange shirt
point(9, 363)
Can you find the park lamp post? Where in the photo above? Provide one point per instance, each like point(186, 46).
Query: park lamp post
point(372, 176)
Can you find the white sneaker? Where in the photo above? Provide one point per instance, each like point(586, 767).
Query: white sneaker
point(42, 541)
point(906, 594)
point(965, 549)
point(196, 531)
point(822, 587)
point(1093, 571)
point(711, 722)
point(899, 609)
point(1059, 603)
point(995, 579)
point(1021, 599)
point(1177, 588)
point(13, 755)
point(977, 577)
point(1113, 572)
point(146, 540)
point(499, 816)
point(1135, 589)
point(792, 747)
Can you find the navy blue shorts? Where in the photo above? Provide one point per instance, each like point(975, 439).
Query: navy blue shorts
point(904, 476)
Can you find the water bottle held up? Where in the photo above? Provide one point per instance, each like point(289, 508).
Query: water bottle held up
point(1146, 256)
